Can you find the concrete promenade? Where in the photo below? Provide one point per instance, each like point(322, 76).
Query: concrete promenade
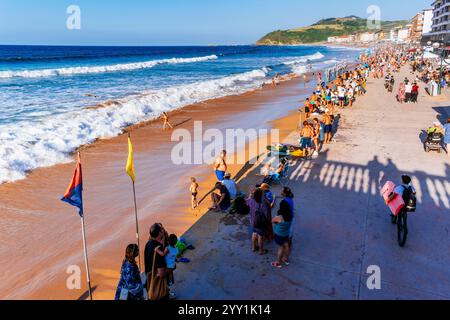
point(342, 224)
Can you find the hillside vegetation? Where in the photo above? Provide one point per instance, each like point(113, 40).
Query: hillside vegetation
point(323, 29)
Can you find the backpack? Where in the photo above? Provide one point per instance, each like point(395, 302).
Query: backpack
point(240, 207)
point(410, 199)
point(260, 219)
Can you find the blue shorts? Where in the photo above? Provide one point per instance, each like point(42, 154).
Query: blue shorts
point(281, 241)
point(220, 175)
point(328, 128)
point(305, 143)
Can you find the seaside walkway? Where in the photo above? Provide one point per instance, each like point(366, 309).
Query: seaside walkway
point(342, 224)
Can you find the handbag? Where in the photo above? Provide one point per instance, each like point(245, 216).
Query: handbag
point(123, 294)
point(158, 288)
point(144, 285)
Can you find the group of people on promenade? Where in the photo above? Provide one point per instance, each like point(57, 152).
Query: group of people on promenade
point(322, 104)
point(161, 254)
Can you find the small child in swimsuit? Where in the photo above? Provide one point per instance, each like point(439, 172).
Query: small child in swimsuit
point(194, 192)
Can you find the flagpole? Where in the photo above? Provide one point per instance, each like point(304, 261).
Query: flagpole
point(83, 233)
point(86, 262)
point(137, 224)
point(135, 207)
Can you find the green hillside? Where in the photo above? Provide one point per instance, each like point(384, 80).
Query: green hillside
point(323, 29)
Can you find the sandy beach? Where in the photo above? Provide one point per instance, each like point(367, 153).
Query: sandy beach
point(44, 229)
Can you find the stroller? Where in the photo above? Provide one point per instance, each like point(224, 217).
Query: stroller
point(434, 142)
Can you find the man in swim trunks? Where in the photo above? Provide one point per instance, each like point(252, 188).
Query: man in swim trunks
point(307, 108)
point(167, 123)
point(220, 166)
point(327, 120)
point(306, 135)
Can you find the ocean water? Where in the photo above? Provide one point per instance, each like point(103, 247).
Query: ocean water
point(47, 93)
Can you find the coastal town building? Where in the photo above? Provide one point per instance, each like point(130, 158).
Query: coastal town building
point(421, 24)
point(342, 39)
point(441, 22)
point(380, 35)
point(368, 37)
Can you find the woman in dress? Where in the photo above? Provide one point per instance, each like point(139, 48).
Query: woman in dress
point(260, 218)
point(402, 93)
point(130, 285)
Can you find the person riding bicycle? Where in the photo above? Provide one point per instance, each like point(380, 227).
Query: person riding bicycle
point(406, 190)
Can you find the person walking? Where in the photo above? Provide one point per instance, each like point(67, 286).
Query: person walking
point(401, 96)
point(447, 136)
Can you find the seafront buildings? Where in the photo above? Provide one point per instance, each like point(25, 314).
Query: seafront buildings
point(431, 24)
point(421, 24)
point(441, 22)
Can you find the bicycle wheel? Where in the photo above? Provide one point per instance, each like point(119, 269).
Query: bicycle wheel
point(402, 228)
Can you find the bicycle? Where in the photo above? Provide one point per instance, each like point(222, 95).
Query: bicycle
point(401, 220)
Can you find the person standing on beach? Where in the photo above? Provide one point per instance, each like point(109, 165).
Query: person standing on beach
point(194, 193)
point(167, 123)
point(306, 135)
point(414, 93)
point(282, 226)
point(221, 166)
point(316, 129)
point(260, 216)
point(401, 93)
point(307, 106)
point(155, 264)
point(130, 286)
point(288, 196)
point(408, 91)
point(328, 121)
point(447, 136)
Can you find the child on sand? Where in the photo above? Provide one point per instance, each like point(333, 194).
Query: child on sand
point(170, 254)
point(194, 192)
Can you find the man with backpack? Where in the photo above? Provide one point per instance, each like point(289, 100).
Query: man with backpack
point(408, 193)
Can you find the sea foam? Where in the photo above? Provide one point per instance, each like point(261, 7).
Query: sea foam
point(29, 145)
point(100, 69)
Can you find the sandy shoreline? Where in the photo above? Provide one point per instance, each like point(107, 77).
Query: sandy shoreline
point(45, 229)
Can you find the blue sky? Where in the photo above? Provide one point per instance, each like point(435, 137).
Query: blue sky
point(176, 22)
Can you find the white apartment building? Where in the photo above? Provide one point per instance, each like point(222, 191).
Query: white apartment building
point(441, 21)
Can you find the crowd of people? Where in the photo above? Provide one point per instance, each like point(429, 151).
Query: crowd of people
point(321, 106)
point(272, 218)
point(161, 255)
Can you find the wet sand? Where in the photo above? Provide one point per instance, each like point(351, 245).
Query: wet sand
point(41, 236)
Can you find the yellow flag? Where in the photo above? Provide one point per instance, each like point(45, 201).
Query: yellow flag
point(130, 165)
